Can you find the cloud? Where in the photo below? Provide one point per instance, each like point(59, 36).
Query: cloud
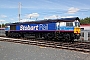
point(56, 16)
point(67, 16)
point(73, 10)
point(33, 15)
point(3, 16)
point(2, 20)
point(12, 19)
point(52, 17)
point(26, 20)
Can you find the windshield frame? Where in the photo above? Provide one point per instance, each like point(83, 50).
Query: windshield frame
point(77, 24)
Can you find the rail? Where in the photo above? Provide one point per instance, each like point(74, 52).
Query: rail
point(76, 46)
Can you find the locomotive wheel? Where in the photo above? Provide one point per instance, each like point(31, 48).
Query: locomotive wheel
point(49, 36)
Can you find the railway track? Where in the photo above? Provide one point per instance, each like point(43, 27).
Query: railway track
point(76, 46)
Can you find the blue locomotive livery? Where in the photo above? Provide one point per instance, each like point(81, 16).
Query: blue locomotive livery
point(66, 29)
point(50, 26)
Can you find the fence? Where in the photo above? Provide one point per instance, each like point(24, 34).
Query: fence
point(2, 31)
point(85, 35)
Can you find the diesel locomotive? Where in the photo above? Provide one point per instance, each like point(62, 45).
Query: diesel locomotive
point(66, 29)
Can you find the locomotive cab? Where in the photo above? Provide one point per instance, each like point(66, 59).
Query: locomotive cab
point(68, 30)
point(77, 29)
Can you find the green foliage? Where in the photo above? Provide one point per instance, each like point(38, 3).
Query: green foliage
point(3, 25)
point(85, 20)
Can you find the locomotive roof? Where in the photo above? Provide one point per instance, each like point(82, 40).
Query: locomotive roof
point(47, 21)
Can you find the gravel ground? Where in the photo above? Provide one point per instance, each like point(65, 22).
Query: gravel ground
point(15, 51)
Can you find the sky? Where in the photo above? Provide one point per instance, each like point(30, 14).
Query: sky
point(42, 9)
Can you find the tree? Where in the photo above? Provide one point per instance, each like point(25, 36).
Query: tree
point(85, 20)
point(3, 25)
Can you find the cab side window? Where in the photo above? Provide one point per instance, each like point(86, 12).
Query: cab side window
point(69, 24)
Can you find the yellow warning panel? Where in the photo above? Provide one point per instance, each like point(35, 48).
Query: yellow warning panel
point(77, 30)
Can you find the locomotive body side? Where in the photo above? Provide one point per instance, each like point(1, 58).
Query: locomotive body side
point(28, 30)
point(63, 29)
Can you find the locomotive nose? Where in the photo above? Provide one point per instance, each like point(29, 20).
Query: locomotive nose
point(77, 30)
